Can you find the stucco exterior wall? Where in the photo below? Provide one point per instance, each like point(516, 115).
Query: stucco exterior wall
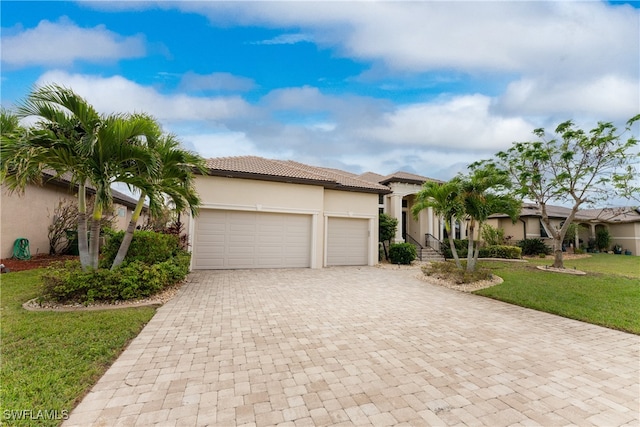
point(626, 235)
point(255, 195)
point(29, 215)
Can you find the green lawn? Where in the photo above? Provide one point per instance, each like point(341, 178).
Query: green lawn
point(609, 295)
point(624, 265)
point(50, 360)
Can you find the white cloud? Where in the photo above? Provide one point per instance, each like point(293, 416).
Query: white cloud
point(219, 144)
point(287, 39)
point(460, 123)
point(533, 37)
point(608, 97)
point(117, 94)
point(63, 43)
point(226, 82)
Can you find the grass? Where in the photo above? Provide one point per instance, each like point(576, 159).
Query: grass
point(623, 265)
point(609, 295)
point(51, 359)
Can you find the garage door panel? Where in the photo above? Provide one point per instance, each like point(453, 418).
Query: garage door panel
point(237, 239)
point(347, 241)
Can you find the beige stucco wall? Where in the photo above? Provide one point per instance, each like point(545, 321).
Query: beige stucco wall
point(29, 215)
point(255, 195)
point(626, 235)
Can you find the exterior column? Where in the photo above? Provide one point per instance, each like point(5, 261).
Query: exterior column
point(396, 212)
point(430, 221)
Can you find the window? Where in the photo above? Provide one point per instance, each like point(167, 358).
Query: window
point(122, 212)
point(543, 230)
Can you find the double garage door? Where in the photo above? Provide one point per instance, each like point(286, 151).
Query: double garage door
point(239, 239)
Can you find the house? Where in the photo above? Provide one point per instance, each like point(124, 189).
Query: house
point(264, 213)
point(404, 186)
point(28, 215)
point(623, 224)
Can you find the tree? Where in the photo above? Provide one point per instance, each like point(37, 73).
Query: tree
point(172, 180)
point(446, 203)
point(71, 138)
point(483, 193)
point(387, 226)
point(575, 168)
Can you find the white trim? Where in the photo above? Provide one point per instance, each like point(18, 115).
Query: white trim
point(259, 208)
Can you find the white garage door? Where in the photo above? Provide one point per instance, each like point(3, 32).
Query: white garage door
point(348, 241)
point(237, 239)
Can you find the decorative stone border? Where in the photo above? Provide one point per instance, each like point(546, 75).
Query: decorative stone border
point(561, 270)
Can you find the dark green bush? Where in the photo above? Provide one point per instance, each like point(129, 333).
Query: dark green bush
point(501, 251)
point(534, 247)
point(68, 282)
point(147, 247)
point(461, 247)
point(402, 253)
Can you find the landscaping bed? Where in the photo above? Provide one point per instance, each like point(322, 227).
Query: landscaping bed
point(36, 261)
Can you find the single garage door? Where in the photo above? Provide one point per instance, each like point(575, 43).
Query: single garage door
point(238, 239)
point(347, 241)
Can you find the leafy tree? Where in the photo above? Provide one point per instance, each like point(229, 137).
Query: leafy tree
point(387, 227)
point(173, 179)
point(575, 167)
point(446, 203)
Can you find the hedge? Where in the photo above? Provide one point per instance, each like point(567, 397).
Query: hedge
point(65, 282)
point(500, 251)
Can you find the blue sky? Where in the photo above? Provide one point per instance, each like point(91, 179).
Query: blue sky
point(424, 87)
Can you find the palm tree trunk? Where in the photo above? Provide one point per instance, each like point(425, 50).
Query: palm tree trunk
point(476, 252)
point(128, 236)
point(94, 244)
point(83, 244)
point(470, 264)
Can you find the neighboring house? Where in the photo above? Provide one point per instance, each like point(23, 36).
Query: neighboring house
point(262, 213)
point(28, 215)
point(623, 224)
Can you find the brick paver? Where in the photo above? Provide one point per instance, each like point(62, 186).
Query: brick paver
point(361, 346)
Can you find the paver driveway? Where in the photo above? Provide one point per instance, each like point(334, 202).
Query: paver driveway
point(361, 346)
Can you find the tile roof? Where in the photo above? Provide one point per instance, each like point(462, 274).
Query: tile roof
point(406, 177)
point(610, 215)
point(371, 177)
point(253, 167)
point(49, 176)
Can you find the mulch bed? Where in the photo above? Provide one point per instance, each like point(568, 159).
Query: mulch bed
point(36, 261)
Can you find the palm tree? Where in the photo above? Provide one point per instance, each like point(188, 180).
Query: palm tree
point(483, 194)
point(445, 201)
point(172, 180)
point(71, 138)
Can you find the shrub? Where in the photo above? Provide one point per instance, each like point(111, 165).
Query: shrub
point(402, 253)
point(603, 239)
point(63, 282)
point(147, 247)
point(449, 271)
point(534, 247)
point(492, 236)
point(501, 251)
point(461, 248)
